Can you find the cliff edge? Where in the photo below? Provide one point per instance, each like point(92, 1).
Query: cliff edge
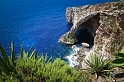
point(103, 25)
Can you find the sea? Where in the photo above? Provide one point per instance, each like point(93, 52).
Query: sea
point(39, 23)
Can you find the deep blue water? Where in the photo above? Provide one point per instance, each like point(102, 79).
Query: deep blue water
point(37, 22)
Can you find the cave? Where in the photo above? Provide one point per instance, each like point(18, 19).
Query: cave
point(83, 35)
point(87, 30)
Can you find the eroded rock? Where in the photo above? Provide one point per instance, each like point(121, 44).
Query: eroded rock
point(105, 22)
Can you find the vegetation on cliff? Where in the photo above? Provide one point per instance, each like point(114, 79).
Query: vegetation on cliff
point(31, 67)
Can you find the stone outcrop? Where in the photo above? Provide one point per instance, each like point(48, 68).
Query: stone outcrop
point(105, 23)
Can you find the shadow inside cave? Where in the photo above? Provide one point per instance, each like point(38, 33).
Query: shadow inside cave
point(87, 30)
point(83, 35)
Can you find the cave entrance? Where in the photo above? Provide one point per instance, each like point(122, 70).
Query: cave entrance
point(83, 35)
point(87, 30)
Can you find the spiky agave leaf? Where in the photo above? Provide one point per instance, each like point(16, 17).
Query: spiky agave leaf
point(34, 55)
point(119, 55)
point(29, 51)
point(21, 51)
point(3, 66)
point(13, 57)
point(4, 55)
point(118, 62)
point(5, 60)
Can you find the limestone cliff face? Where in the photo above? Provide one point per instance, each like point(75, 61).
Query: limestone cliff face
point(105, 22)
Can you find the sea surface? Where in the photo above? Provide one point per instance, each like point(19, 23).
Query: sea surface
point(37, 22)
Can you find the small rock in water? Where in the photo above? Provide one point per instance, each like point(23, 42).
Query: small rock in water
point(86, 45)
point(74, 46)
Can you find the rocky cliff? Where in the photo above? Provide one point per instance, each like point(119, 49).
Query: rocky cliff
point(101, 25)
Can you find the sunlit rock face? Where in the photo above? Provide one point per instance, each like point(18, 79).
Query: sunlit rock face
point(81, 18)
point(101, 25)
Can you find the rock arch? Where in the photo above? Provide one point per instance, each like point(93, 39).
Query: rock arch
point(82, 30)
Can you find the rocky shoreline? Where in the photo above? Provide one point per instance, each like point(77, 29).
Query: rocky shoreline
point(76, 58)
point(103, 25)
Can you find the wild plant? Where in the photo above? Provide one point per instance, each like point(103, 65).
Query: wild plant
point(99, 67)
point(33, 67)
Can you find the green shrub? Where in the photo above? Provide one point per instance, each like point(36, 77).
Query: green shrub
point(71, 40)
point(87, 76)
point(31, 67)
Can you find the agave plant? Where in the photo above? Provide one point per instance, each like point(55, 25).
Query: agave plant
point(8, 63)
point(99, 66)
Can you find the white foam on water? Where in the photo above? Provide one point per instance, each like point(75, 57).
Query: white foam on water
point(72, 58)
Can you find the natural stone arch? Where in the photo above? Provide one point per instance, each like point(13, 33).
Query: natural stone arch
point(93, 21)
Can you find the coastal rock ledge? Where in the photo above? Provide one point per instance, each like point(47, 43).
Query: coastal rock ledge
point(104, 23)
